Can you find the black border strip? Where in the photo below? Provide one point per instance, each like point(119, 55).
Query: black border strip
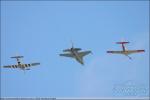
point(75, 0)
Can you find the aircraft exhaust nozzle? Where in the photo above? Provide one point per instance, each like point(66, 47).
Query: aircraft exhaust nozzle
point(122, 42)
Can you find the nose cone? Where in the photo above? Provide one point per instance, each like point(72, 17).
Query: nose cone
point(82, 63)
point(80, 60)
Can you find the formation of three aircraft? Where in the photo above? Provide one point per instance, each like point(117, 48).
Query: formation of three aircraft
point(74, 53)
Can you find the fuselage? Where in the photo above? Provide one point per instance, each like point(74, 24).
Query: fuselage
point(125, 52)
point(76, 56)
point(22, 66)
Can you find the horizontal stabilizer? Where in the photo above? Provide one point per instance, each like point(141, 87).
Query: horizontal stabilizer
point(17, 57)
point(122, 42)
point(75, 49)
point(66, 50)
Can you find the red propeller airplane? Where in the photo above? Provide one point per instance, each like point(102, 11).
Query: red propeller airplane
point(125, 51)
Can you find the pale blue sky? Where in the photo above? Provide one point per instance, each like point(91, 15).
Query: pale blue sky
point(41, 30)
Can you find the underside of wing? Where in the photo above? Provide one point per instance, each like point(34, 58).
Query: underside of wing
point(22, 65)
point(134, 51)
point(67, 55)
point(127, 52)
point(81, 54)
point(35, 64)
point(115, 52)
point(11, 66)
point(31, 64)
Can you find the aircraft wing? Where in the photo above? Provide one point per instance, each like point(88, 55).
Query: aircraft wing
point(11, 66)
point(126, 52)
point(35, 64)
point(22, 65)
point(115, 52)
point(134, 51)
point(81, 54)
point(29, 65)
point(67, 55)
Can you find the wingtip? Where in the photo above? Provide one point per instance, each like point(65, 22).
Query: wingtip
point(91, 52)
point(60, 54)
point(109, 51)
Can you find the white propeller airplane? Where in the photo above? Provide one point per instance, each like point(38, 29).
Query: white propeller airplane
point(125, 51)
point(74, 53)
point(21, 65)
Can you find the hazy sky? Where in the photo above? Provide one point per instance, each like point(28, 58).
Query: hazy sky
point(40, 30)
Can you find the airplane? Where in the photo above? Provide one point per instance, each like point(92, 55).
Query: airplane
point(74, 53)
point(125, 51)
point(21, 65)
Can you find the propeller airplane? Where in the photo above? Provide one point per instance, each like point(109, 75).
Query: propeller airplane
point(21, 65)
point(124, 51)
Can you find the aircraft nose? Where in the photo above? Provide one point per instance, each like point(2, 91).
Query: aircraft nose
point(82, 63)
